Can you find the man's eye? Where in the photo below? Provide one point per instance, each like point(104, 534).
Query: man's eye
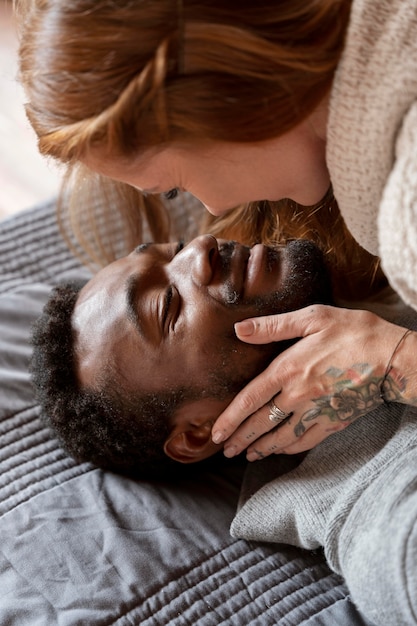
point(171, 308)
point(171, 194)
point(168, 298)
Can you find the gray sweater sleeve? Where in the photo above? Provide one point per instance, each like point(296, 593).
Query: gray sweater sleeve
point(355, 495)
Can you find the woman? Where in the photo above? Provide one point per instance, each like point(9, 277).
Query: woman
point(243, 105)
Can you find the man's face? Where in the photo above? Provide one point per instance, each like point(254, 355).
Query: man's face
point(163, 316)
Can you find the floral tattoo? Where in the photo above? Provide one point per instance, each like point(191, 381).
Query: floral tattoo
point(353, 397)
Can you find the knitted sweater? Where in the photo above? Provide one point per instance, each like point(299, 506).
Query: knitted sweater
point(372, 136)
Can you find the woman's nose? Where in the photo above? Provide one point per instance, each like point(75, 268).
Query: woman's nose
point(203, 259)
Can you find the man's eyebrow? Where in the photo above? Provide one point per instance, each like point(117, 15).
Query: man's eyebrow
point(131, 288)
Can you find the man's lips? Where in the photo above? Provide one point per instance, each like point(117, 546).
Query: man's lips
point(231, 264)
point(256, 267)
point(243, 267)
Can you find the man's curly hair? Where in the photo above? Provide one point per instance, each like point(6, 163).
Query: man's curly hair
point(124, 432)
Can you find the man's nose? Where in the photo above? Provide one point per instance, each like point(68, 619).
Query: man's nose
point(203, 259)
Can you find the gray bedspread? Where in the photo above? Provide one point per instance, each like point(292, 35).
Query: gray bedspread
point(80, 546)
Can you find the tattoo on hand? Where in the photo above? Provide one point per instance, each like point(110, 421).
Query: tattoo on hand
point(353, 397)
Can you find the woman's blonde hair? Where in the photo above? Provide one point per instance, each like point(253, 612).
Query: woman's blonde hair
point(124, 76)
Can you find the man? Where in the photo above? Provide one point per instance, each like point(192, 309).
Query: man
point(133, 368)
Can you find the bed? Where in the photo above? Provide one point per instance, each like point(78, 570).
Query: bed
point(81, 546)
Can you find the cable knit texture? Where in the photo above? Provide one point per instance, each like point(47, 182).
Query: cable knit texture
point(372, 136)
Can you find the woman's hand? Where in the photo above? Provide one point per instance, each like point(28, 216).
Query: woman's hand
point(328, 379)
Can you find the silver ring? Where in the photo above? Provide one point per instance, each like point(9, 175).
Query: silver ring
point(277, 415)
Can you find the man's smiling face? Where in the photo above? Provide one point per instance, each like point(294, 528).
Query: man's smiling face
point(163, 316)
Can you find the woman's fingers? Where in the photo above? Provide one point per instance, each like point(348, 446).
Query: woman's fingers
point(257, 393)
point(286, 439)
point(261, 330)
point(260, 422)
point(271, 328)
point(279, 442)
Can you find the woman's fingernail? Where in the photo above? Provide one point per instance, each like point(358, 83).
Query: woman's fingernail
point(218, 437)
point(230, 451)
point(245, 328)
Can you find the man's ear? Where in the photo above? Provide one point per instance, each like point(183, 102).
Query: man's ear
point(190, 438)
